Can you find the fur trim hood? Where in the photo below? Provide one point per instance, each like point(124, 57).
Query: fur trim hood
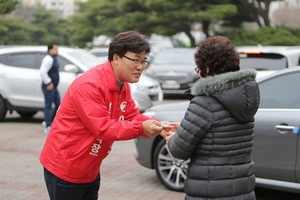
point(236, 91)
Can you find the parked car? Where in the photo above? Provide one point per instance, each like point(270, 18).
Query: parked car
point(101, 53)
point(268, 59)
point(20, 81)
point(276, 150)
point(174, 69)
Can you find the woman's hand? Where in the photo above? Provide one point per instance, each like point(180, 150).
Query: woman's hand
point(169, 135)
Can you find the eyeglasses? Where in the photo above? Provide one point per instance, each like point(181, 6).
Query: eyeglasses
point(197, 70)
point(142, 63)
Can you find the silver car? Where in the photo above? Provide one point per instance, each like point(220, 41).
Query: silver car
point(276, 150)
point(20, 81)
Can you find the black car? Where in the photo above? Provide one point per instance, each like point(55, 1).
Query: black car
point(276, 150)
point(174, 69)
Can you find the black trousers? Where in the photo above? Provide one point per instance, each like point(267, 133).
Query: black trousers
point(59, 189)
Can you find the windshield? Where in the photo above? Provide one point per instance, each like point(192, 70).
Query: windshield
point(86, 58)
point(263, 61)
point(185, 57)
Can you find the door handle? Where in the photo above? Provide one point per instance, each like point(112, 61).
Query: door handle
point(283, 129)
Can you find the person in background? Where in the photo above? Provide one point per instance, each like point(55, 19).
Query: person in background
point(49, 71)
point(216, 133)
point(96, 111)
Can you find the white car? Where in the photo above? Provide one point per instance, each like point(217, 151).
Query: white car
point(20, 81)
point(268, 59)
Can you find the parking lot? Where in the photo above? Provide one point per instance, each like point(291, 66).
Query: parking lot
point(123, 178)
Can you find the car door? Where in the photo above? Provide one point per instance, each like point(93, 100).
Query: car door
point(20, 78)
point(275, 144)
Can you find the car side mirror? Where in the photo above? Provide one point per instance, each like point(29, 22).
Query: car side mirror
point(71, 68)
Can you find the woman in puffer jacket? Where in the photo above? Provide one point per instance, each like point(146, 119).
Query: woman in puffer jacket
point(216, 133)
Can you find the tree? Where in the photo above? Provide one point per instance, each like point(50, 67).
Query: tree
point(259, 10)
point(7, 6)
point(266, 36)
point(96, 17)
point(165, 17)
point(13, 31)
point(171, 17)
point(45, 28)
point(243, 14)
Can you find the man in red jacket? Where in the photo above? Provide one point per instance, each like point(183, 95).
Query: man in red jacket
point(96, 111)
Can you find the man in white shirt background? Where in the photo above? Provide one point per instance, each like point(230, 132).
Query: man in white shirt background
point(49, 72)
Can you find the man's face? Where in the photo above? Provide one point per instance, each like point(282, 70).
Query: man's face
point(129, 68)
point(54, 50)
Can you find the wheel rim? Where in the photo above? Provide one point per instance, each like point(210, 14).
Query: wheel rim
point(172, 170)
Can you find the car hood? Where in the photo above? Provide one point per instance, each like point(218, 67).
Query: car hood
point(261, 74)
point(171, 68)
point(178, 106)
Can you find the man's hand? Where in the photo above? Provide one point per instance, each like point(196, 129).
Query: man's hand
point(169, 127)
point(152, 128)
point(50, 86)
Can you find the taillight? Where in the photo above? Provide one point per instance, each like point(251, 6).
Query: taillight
point(252, 52)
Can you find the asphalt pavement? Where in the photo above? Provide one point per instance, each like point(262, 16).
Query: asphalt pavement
point(21, 174)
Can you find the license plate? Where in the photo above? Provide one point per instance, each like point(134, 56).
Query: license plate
point(170, 85)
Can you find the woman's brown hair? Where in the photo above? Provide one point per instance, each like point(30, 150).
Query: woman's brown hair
point(218, 54)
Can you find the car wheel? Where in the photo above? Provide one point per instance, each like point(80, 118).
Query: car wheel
point(170, 171)
point(3, 109)
point(26, 114)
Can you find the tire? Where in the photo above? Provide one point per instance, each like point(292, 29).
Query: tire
point(26, 114)
point(3, 109)
point(169, 170)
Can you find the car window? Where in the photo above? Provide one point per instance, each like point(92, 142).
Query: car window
point(41, 56)
point(24, 60)
point(3, 58)
point(263, 61)
point(174, 58)
point(61, 60)
point(280, 92)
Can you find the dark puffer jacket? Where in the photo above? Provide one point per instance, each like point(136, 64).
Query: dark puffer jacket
point(217, 135)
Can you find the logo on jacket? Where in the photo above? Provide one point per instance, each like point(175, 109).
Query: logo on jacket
point(96, 147)
point(123, 106)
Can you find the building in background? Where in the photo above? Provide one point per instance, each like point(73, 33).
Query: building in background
point(285, 13)
point(61, 8)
